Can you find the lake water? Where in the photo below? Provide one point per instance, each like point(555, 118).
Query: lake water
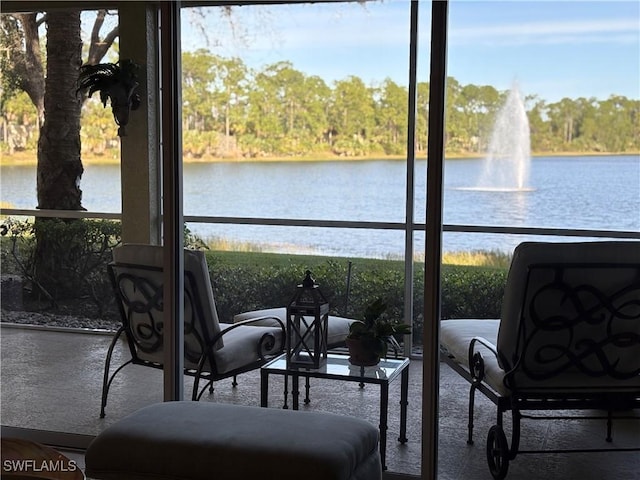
point(600, 192)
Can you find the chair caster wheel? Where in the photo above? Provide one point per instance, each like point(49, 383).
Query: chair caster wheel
point(497, 452)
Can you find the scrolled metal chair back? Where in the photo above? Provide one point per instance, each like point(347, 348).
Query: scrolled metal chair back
point(581, 319)
point(140, 291)
point(138, 279)
point(571, 317)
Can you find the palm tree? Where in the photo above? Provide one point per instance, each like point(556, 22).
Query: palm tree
point(59, 165)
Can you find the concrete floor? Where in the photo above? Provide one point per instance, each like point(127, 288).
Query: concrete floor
point(52, 381)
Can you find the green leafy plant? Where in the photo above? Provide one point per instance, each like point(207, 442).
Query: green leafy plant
point(116, 82)
point(375, 331)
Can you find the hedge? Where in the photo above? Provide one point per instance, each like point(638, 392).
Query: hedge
point(244, 281)
point(261, 281)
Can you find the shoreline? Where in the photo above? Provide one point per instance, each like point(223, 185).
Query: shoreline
point(30, 158)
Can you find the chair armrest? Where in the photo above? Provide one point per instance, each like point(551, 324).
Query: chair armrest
point(476, 362)
point(249, 321)
point(267, 342)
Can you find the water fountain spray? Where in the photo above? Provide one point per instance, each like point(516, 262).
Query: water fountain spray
point(509, 155)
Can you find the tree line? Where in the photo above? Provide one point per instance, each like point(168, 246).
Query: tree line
point(232, 111)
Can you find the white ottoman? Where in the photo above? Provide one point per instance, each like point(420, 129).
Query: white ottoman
point(199, 440)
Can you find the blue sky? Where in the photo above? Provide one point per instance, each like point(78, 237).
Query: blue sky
point(552, 49)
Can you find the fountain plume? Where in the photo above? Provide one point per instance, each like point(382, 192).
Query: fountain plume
point(509, 156)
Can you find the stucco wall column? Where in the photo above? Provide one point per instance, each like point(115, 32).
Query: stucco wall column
point(139, 148)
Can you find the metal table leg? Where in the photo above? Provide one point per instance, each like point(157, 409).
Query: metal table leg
point(384, 404)
point(286, 391)
point(307, 400)
point(295, 390)
point(264, 388)
point(404, 402)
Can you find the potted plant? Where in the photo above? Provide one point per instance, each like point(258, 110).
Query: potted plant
point(116, 82)
point(369, 339)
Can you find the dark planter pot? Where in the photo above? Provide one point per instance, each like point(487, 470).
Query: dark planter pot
point(360, 353)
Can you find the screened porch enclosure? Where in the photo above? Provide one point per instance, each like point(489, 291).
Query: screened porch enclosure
point(230, 141)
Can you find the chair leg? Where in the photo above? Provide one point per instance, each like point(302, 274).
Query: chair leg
point(234, 383)
point(472, 398)
point(515, 434)
point(194, 391)
point(197, 393)
point(106, 381)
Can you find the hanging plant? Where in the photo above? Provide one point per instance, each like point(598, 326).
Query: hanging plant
point(116, 82)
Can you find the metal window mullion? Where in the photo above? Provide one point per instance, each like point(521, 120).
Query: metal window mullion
point(433, 245)
point(410, 187)
point(172, 179)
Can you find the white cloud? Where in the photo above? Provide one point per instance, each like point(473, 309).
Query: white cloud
point(591, 31)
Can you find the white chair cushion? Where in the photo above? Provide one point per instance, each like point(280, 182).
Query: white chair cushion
point(338, 327)
point(241, 346)
point(455, 337)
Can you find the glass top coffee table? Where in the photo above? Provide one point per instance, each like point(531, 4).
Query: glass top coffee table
point(339, 368)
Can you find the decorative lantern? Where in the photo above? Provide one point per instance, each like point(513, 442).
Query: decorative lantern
point(307, 321)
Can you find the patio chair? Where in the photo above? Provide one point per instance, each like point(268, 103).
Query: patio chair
point(568, 339)
point(212, 350)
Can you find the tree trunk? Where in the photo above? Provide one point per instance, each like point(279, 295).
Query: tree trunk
point(59, 164)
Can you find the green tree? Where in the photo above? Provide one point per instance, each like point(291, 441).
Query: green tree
point(392, 117)
point(562, 116)
point(422, 116)
point(197, 89)
point(59, 168)
point(232, 75)
point(454, 117)
point(230, 111)
point(541, 135)
point(264, 111)
point(616, 126)
point(19, 122)
point(275, 110)
point(315, 106)
point(22, 67)
point(352, 116)
point(97, 134)
point(471, 110)
point(584, 139)
point(482, 104)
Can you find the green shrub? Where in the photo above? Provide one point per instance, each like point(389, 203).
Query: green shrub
point(472, 292)
point(251, 281)
point(63, 259)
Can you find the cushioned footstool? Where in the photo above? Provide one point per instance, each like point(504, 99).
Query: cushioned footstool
point(198, 440)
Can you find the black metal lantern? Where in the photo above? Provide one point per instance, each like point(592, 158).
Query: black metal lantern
point(307, 321)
